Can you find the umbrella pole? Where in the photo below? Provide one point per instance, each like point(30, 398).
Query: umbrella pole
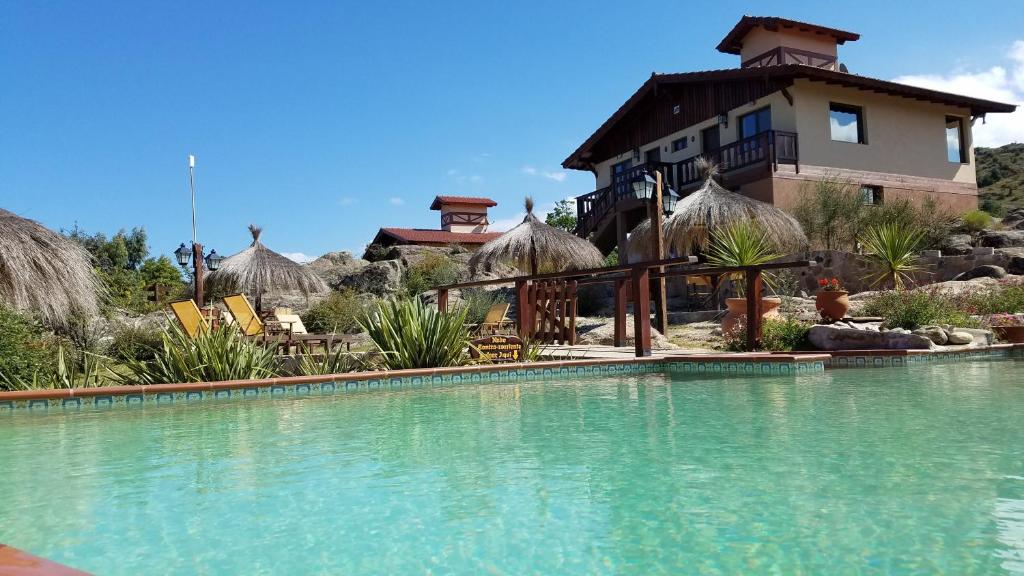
point(533, 258)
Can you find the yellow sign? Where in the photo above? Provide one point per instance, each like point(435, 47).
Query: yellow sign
point(498, 348)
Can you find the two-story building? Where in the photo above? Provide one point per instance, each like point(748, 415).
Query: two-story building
point(464, 222)
point(790, 114)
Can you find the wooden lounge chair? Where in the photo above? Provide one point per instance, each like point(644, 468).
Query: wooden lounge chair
point(244, 315)
point(495, 321)
point(189, 317)
point(284, 331)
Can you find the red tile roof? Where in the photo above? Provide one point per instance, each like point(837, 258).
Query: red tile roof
point(419, 235)
point(438, 201)
point(733, 41)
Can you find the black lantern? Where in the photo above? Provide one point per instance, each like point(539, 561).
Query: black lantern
point(213, 260)
point(668, 200)
point(643, 187)
point(182, 254)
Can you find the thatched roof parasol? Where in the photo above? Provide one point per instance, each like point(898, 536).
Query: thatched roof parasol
point(639, 241)
point(699, 214)
point(533, 245)
point(44, 272)
point(258, 270)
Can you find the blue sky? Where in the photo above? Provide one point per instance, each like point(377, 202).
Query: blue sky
point(325, 121)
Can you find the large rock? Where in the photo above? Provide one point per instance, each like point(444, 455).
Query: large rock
point(959, 338)
point(1016, 265)
point(1002, 238)
point(335, 265)
point(601, 332)
point(827, 337)
point(983, 271)
point(377, 278)
point(957, 245)
point(934, 333)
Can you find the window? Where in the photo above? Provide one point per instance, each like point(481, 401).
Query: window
point(872, 195)
point(955, 149)
point(680, 144)
point(847, 123)
point(621, 167)
point(756, 122)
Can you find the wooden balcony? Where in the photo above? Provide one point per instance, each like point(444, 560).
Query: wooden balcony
point(740, 162)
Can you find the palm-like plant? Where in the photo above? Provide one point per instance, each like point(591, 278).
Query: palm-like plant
point(742, 243)
point(410, 334)
point(893, 249)
point(338, 362)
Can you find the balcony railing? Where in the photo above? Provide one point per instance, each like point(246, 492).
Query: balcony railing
point(772, 148)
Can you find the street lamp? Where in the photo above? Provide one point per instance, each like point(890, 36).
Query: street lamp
point(213, 260)
point(668, 200)
point(182, 254)
point(643, 187)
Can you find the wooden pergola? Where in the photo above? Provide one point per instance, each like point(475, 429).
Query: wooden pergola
point(544, 299)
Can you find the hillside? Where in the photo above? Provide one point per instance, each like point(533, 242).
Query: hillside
point(1000, 177)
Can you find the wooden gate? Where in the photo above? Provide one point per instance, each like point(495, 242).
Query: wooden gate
point(552, 305)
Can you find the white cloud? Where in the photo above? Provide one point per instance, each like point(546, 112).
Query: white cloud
point(556, 176)
point(347, 201)
point(506, 224)
point(396, 201)
point(299, 257)
point(999, 83)
point(843, 132)
point(529, 170)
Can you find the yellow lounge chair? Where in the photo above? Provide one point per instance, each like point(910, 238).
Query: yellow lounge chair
point(190, 318)
point(495, 320)
point(244, 314)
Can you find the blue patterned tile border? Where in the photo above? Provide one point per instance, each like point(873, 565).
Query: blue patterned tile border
point(695, 365)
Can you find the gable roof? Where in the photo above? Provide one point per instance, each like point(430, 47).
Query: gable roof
point(440, 200)
point(420, 235)
point(781, 76)
point(733, 41)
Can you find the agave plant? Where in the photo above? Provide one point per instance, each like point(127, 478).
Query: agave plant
point(410, 334)
point(212, 356)
point(893, 249)
point(90, 371)
point(338, 362)
point(742, 243)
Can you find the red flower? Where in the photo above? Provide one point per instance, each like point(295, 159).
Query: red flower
point(822, 282)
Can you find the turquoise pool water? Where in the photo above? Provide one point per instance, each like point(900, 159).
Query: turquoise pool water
point(916, 470)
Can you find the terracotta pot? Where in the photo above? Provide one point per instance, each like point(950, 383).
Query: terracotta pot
point(1011, 334)
point(738, 311)
point(832, 304)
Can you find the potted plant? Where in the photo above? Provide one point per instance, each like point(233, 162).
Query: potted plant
point(832, 302)
point(1008, 327)
point(743, 243)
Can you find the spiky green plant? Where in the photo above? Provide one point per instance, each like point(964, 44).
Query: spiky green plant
point(742, 243)
point(216, 355)
point(893, 249)
point(410, 334)
point(338, 362)
point(89, 371)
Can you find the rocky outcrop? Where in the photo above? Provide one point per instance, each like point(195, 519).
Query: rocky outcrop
point(1001, 238)
point(334, 266)
point(378, 278)
point(957, 245)
point(983, 271)
point(1016, 265)
point(934, 333)
point(840, 336)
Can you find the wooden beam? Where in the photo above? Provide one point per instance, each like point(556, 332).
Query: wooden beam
point(658, 248)
point(621, 295)
point(789, 97)
point(640, 280)
point(523, 308)
point(754, 331)
point(442, 299)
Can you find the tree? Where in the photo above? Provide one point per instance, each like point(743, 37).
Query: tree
point(562, 216)
point(160, 271)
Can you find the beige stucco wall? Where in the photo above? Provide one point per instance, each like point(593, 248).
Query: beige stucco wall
point(470, 208)
point(758, 41)
point(903, 136)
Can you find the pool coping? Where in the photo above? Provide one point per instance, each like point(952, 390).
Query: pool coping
point(20, 563)
point(751, 364)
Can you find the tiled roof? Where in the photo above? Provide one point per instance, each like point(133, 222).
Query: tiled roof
point(415, 235)
point(438, 201)
point(733, 41)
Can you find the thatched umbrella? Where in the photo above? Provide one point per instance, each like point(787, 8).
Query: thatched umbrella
point(533, 245)
point(699, 214)
point(44, 272)
point(258, 270)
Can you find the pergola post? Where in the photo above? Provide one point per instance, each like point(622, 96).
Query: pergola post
point(523, 318)
point(442, 299)
point(197, 273)
point(754, 329)
point(640, 280)
point(621, 295)
point(655, 210)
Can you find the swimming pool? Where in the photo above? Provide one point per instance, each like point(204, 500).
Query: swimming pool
point(914, 469)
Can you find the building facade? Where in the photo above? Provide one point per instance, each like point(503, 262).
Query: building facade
point(463, 222)
point(789, 115)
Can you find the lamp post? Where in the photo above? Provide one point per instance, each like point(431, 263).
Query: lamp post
point(660, 204)
point(183, 254)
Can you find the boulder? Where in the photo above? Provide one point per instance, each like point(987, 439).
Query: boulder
point(956, 245)
point(983, 271)
point(1001, 238)
point(980, 336)
point(1016, 265)
point(826, 337)
point(934, 333)
point(601, 331)
point(959, 338)
point(335, 265)
point(377, 278)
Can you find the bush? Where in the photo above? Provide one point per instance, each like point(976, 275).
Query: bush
point(217, 355)
point(777, 335)
point(915, 308)
point(24, 350)
point(935, 223)
point(134, 343)
point(1006, 298)
point(339, 313)
point(975, 221)
point(411, 334)
point(339, 362)
point(830, 214)
point(429, 272)
point(477, 301)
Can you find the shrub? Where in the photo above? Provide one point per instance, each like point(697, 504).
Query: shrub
point(477, 302)
point(222, 354)
point(892, 248)
point(24, 350)
point(777, 335)
point(65, 371)
point(132, 342)
point(410, 334)
point(1006, 298)
point(339, 362)
point(934, 223)
point(742, 243)
point(339, 313)
point(830, 214)
point(975, 221)
point(429, 272)
point(912, 309)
